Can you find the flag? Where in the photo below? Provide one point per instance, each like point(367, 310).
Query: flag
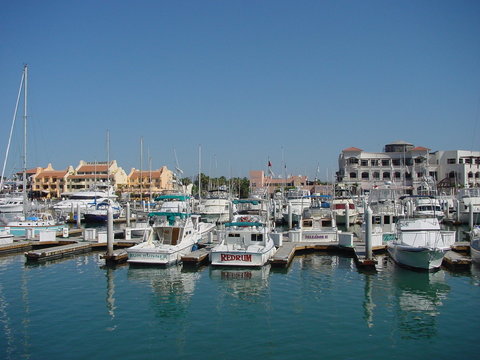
point(269, 163)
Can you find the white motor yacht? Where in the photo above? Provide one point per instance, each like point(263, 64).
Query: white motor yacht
point(170, 237)
point(246, 241)
point(420, 243)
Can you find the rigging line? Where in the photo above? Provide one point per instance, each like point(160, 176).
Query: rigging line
point(11, 130)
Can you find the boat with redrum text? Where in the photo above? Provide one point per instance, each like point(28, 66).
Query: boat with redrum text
point(246, 241)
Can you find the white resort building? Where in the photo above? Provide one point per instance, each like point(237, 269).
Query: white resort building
point(408, 166)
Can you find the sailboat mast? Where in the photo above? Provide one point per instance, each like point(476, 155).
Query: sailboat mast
point(25, 138)
point(108, 158)
point(199, 173)
point(141, 169)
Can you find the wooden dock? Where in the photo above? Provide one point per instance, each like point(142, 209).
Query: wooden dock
point(285, 253)
point(58, 251)
point(17, 246)
point(456, 261)
point(360, 255)
point(461, 246)
point(118, 256)
point(196, 257)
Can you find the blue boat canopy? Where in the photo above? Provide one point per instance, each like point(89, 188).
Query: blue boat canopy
point(172, 197)
point(245, 201)
point(170, 215)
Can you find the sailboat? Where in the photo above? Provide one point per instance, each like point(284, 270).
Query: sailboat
point(42, 221)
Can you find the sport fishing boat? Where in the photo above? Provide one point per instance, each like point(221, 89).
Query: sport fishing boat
point(246, 241)
point(216, 207)
point(171, 236)
point(339, 207)
point(475, 244)
point(296, 201)
point(466, 198)
point(318, 225)
point(419, 243)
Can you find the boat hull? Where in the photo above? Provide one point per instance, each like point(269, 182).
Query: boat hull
point(157, 255)
point(98, 217)
point(319, 236)
point(416, 257)
point(215, 217)
point(475, 250)
point(240, 258)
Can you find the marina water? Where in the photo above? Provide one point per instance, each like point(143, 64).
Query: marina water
point(320, 307)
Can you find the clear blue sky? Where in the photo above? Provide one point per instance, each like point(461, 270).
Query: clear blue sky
point(248, 80)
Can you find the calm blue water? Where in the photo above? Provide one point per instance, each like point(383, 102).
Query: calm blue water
point(321, 307)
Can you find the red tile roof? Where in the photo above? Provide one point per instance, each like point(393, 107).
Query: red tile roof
point(145, 174)
point(420, 148)
point(352, 149)
point(57, 173)
point(89, 176)
point(92, 168)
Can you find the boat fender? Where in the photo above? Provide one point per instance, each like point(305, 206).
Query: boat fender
point(194, 247)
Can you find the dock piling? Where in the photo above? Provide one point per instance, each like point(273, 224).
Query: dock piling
point(368, 233)
point(290, 216)
point(110, 233)
point(79, 219)
point(347, 216)
point(128, 215)
point(470, 216)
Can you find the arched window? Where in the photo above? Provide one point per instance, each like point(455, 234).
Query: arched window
point(398, 175)
point(353, 175)
point(470, 175)
point(386, 175)
point(365, 175)
point(451, 174)
point(376, 175)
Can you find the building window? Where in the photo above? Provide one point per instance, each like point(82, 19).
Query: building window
point(385, 162)
point(364, 162)
point(477, 175)
point(398, 175)
point(451, 174)
point(353, 175)
point(365, 176)
point(408, 161)
point(386, 175)
point(396, 162)
point(419, 174)
point(470, 175)
point(352, 161)
point(451, 161)
point(376, 175)
point(460, 161)
point(374, 162)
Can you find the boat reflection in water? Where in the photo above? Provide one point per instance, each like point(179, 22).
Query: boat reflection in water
point(244, 283)
point(173, 287)
point(420, 296)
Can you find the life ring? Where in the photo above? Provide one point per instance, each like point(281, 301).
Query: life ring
point(244, 219)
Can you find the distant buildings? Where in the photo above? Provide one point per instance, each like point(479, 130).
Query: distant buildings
point(50, 183)
point(409, 166)
point(149, 182)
